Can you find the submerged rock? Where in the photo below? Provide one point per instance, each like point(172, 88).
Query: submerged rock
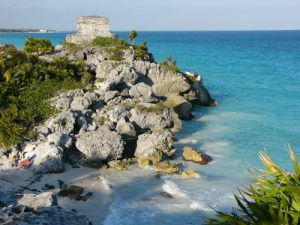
point(191, 154)
point(166, 167)
point(189, 173)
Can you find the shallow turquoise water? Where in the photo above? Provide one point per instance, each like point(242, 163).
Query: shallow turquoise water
point(255, 76)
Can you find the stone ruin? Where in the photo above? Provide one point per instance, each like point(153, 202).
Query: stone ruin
point(90, 27)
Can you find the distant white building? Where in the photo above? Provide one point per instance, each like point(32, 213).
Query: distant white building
point(90, 27)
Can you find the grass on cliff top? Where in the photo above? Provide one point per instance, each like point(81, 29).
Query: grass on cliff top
point(26, 84)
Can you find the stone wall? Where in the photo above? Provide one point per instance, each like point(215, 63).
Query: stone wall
point(90, 27)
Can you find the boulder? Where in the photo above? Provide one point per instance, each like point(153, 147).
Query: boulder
point(125, 128)
point(191, 154)
point(109, 95)
point(189, 173)
point(117, 113)
point(80, 103)
point(60, 139)
point(54, 215)
point(64, 122)
point(101, 144)
point(181, 106)
point(150, 147)
point(63, 103)
point(104, 68)
point(142, 92)
point(47, 158)
point(148, 117)
point(46, 199)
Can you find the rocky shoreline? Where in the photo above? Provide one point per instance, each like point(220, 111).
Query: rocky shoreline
point(128, 116)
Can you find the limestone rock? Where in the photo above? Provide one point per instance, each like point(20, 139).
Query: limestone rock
point(191, 154)
point(101, 144)
point(104, 68)
point(118, 164)
point(156, 121)
point(181, 106)
point(80, 103)
point(150, 146)
point(21, 215)
point(64, 122)
point(46, 199)
point(143, 92)
point(117, 113)
point(125, 128)
point(189, 173)
point(47, 158)
point(166, 167)
point(60, 139)
point(63, 103)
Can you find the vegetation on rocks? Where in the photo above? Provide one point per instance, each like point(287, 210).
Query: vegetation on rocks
point(141, 51)
point(37, 46)
point(274, 198)
point(154, 108)
point(26, 85)
point(170, 65)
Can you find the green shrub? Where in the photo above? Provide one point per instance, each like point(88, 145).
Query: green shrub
point(274, 199)
point(69, 44)
point(37, 46)
point(141, 51)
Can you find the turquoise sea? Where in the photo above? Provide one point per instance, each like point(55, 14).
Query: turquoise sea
point(255, 76)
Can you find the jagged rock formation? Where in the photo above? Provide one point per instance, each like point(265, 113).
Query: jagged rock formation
point(90, 27)
point(40, 209)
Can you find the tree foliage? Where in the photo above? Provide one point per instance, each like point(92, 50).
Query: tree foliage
point(274, 199)
point(132, 36)
point(26, 85)
point(37, 46)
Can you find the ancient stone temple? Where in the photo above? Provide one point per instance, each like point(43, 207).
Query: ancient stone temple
point(90, 27)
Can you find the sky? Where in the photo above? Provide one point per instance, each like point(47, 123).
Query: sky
point(154, 15)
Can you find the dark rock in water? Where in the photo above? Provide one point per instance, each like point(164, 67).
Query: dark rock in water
point(86, 196)
point(2, 204)
point(60, 183)
point(158, 176)
point(72, 192)
point(166, 195)
point(75, 166)
point(16, 209)
point(49, 186)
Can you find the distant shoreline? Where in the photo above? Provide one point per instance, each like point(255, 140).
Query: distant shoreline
point(26, 31)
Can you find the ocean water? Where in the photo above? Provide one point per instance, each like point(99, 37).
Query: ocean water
point(255, 77)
